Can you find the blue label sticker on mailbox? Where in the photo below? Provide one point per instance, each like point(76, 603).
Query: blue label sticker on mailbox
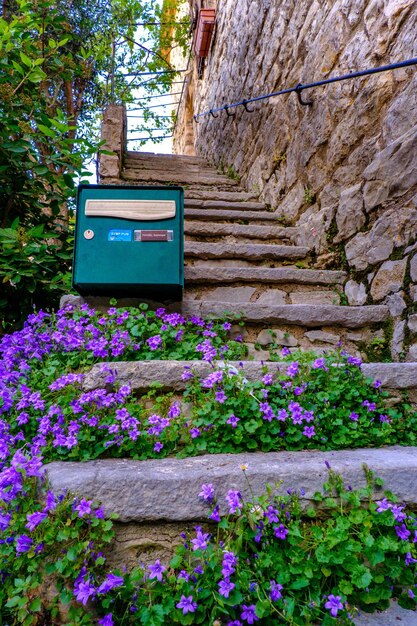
point(119, 235)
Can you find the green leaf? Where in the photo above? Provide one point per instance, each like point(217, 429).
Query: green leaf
point(25, 59)
point(47, 131)
point(35, 605)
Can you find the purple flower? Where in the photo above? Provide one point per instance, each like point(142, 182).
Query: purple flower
point(34, 519)
point(23, 544)
point(333, 604)
point(83, 591)
point(195, 432)
point(275, 593)
point(398, 512)
point(200, 541)
point(4, 521)
point(84, 508)
point(280, 531)
point(186, 604)
point(107, 620)
point(309, 431)
point(156, 570)
point(233, 420)
point(377, 384)
point(354, 417)
point(271, 514)
point(215, 515)
point(220, 396)
point(154, 342)
point(249, 614)
point(292, 369)
point(402, 532)
point(234, 501)
point(225, 587)
point(111, 581)
point(319, 364)
point(383, 505)
point(207, 492)
point(409, 559)
point(267, 379)
point(158, 446)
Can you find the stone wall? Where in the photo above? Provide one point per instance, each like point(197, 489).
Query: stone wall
point(342, 170)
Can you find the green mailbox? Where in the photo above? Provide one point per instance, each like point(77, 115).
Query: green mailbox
point(129, 241)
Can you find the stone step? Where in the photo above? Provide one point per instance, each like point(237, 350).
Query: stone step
point(273, 275)
point(251, 251)
point(224, 196)
point(177, 177)
point(142, 374)
point(140, 166)
point(242, 231)
point(155, 157)
point(309, 315)
point(231, 214)
point(195, 203)
point(167, 489)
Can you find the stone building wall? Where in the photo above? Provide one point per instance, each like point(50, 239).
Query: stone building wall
point(343, 170)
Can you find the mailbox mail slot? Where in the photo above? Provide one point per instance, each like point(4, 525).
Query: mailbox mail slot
point(129, 241)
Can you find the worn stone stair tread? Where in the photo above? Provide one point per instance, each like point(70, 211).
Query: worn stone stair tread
point(152, 157)
point(256, 251)
point(194, 203)
point(211, 194)
point(167, 489)
point(188, 168)
point(310, 315)
point(393, 616)
point(230, 214)
point(276, 275)
point(178, 176)
point(140, 375)
point(249, 231)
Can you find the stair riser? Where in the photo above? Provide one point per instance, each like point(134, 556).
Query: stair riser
point(263, 294)
point(260, 217)
point(174, 178)
point(252, 251)
point(242, 232)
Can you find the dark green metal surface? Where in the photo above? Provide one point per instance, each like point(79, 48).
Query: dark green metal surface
point(112, 263)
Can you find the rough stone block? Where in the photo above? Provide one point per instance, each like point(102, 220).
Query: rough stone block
point(320, 335)
point(167, 489)
point(392, 229)
point(355, 293)
point(350, 216)
point(272, 296)
point(267, 337)
point(413, 268)
point(397, 342)
point(393, 171)
point(396, 303)
point(230, 294)
point(389, 279)
point(314, 297)
point(412, 323)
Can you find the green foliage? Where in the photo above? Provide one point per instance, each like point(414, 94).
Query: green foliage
point(309, 196)
point(56, 63)
point(268, 557)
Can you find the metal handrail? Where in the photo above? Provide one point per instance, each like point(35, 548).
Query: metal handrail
point(300, 87)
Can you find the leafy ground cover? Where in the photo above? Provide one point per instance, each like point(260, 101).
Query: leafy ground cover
point(253, 567)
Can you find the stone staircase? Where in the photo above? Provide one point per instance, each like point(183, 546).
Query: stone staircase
point(240, 259)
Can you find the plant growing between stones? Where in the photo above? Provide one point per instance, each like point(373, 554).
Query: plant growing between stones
point(254, 569)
